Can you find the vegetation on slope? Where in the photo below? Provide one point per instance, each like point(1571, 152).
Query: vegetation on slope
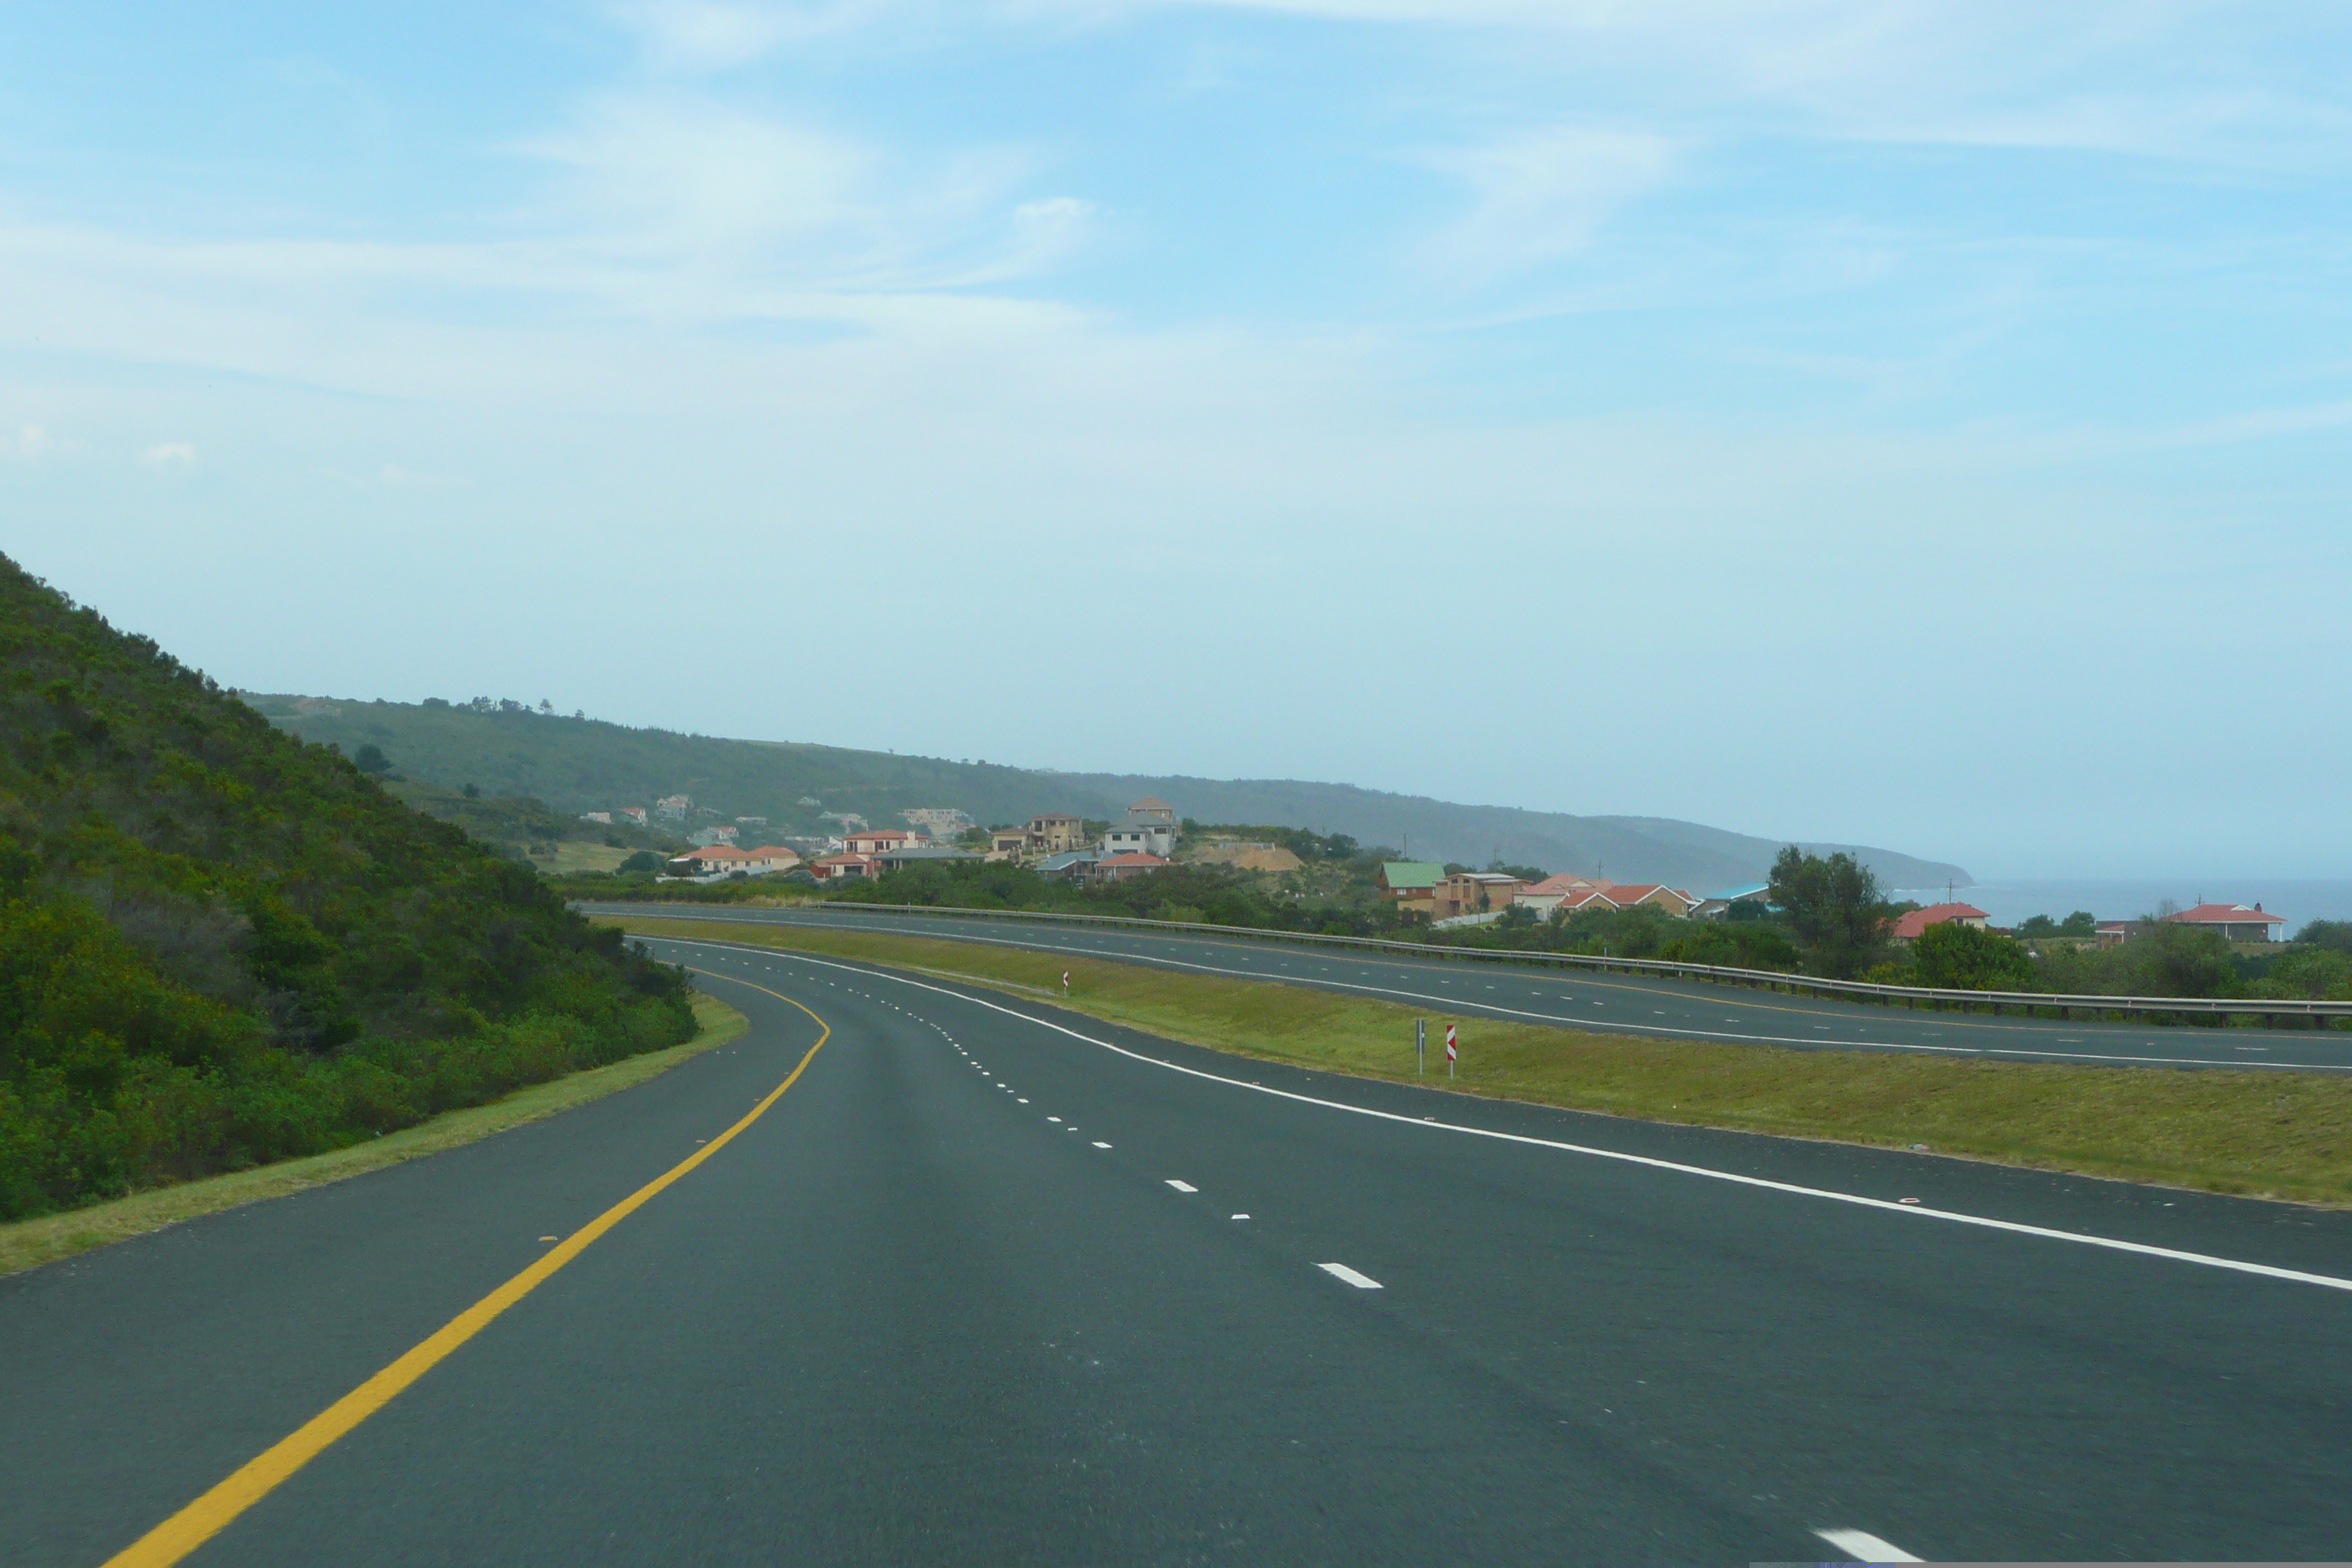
point(29, 1243)
point(220, 946)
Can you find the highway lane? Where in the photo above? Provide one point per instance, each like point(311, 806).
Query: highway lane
point(1610, 1002)
point(975, 1289)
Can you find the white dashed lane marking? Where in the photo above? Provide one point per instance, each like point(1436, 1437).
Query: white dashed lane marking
point(1182, 1186)
point(1864, 1547)
point(1341, 1271)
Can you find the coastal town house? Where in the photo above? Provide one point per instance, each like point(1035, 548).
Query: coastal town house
point(1912, 925)
point(713, 858)
point(1473, 893)
point(1140, 833)
point(2236, 923)
point(1653, 895)
point(1545, 898)
point(880, 841)
point(1126, 866)
point(1410, 885)
point(1056, 833)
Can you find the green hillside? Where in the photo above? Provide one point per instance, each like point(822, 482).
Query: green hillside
point(578, 764)
point(220, 945)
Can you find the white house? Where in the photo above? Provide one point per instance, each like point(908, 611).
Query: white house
point(1138, 834)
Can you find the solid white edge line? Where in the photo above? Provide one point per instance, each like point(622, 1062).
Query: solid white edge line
point(1887, 1205)
point(1867, 1547)
point(1341, 1271)
point(1117, 956)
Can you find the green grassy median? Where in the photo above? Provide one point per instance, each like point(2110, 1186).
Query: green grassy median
point(2262, 1133)
point(26, 1243)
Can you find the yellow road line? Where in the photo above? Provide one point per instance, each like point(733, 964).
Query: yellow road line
point(209, 1514)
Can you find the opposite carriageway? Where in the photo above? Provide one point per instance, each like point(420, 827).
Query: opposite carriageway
point(1626, 997)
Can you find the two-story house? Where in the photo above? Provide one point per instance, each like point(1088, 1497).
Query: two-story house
point(1140, 833)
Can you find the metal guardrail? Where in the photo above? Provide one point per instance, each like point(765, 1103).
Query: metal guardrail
point(2269, 1009)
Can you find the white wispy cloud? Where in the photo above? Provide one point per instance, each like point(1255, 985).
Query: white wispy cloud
point(168, 453)
point(1541, 195)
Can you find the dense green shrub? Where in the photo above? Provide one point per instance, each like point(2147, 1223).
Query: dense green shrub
point(1949, 956)
point(220, 946)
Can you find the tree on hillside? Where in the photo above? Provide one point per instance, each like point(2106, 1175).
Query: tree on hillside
point(370, 759)
point(1958, 957)
point(1834, 906)
point(2335, 934)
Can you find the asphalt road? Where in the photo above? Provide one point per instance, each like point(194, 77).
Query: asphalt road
point(978, 1288)
point(1586, 1000)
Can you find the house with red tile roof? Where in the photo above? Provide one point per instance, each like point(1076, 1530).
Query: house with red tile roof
point(2236, 923)
point(1549, 895)
point(1908, 928)
point(1657, 895)
point(1120, 868)
point(829, 868)
point(723, 857)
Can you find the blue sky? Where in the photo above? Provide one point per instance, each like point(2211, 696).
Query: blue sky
point(1917, 423)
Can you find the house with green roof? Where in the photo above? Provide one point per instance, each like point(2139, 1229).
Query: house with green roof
point(1412, 884)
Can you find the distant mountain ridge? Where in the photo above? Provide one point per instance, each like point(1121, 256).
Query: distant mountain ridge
point(578, 764)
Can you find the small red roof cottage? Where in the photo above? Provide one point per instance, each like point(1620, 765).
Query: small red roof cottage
point(1910, 926)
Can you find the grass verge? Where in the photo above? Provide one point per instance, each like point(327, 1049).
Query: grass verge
point(27, 1244)
point(2267, 1134)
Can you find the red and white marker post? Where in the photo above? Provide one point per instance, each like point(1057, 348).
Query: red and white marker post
point(1452, 1054)
point(1066, 982)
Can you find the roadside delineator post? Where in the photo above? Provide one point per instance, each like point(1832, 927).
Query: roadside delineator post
point(1452, 1054)
point(1066, 982)
point(1419, 1046)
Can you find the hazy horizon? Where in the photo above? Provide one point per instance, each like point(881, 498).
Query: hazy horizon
point(1917, 427)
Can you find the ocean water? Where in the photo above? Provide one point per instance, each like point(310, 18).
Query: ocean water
point(2009, 902)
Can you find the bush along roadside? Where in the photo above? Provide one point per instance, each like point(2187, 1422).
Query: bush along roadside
point(112, 1078)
